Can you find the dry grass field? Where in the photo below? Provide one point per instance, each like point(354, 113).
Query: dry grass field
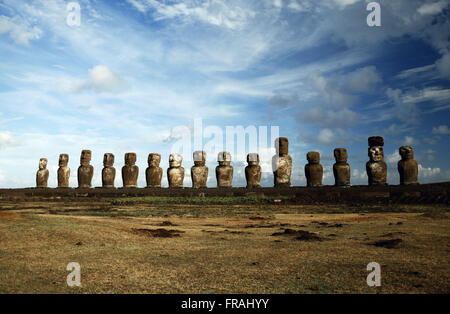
point(145, 247)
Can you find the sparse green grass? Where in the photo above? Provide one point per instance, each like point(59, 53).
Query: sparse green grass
point(197, 200)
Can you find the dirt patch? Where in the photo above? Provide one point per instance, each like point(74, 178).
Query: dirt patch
point(166, 223)
point(226, 231)
point(158, 233)
point(301, 235)
point(389, 244)
point(10, 215)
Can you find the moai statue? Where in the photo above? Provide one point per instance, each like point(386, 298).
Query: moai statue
point(313, 170)
point(376, 167)
point(282, 163)
point(154, 172)
point(63, 171)
point(175, 173)
point(42, 174)
point(253, 171)
point(108, 172)
point(130, 171)
point(199, 172)
point(86, 170)
point(224, 171)
point(341, 169)
point(407, 166)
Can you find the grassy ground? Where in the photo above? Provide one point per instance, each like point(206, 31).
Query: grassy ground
point(221, 248)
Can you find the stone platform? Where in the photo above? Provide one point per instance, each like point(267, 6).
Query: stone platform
point(436, 193)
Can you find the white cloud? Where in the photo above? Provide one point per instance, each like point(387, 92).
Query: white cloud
point(442, 129)
point(20, 31)
point(363, 80)
point(214, 12)
point(344, 3)
point(428, 172)
point(326, 136)
point(432, 8)
point(102, 79)
point(6, 139)
point(443, 66)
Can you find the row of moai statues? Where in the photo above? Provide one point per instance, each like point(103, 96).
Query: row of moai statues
point(282, 168)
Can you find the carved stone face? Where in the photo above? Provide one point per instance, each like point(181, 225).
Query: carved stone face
point(340, 154)
point(154, 159)
point(406, 152)
point(253, 159)
point(199, 158)
point(376, 153)
point(108, 160)
point(42, 163)
point(313, 157)
point(85, 158)
point(63, 160)
point(282, 146)
point(224, 158)
point(130, 159)
point(175, 160)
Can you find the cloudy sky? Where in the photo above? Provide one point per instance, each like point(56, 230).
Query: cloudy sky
point(133, 72)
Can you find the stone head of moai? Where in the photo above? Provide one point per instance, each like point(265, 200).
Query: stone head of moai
point(108, 160)
point(154, 159)
point(282, 146)
point(130, 159)
point(406, 152)
point(85, 158)
point(199, 158)
point(253, 159)
point(63, 160)
point(224, 159)
point(313, 158)
point(175, 160)
point(43, 163)
point(375, 151)
point(340, 155)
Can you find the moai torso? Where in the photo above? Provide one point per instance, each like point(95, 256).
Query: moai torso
point(154, 172)
point(85, 171)
point(313, 170)
point(130, 171)
point(407, 166)
point(341, 169)
point(63, 171)
point(224, 171)
point(376, 167)
point(42, 174)
point(253, 171)
point(199, 172)
point(175, 173)
point(282, 163)
point(108, 171)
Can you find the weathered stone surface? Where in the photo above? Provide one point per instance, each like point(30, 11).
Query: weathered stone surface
point(86, 170)
point(199, 172)
point(175, 173)
point(63, 171)
point(108, 171)
point(154, 172)
point(376, 167)
point(130, 171)
point(224, 171)
point(313, 170)
point(407, 166)
point(253, 171)
point(42, 174)
point(341, 169)
point(282, 163)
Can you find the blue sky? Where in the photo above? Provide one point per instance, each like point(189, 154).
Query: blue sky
point(134, 71)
